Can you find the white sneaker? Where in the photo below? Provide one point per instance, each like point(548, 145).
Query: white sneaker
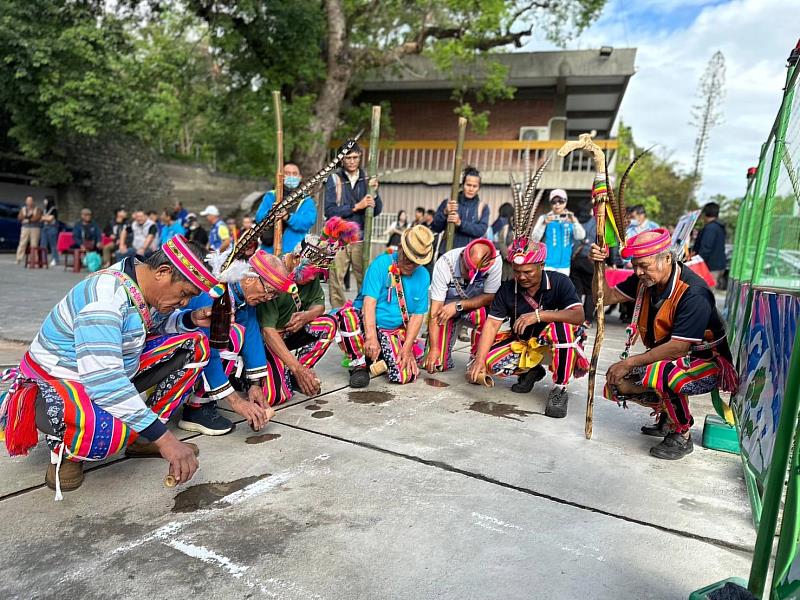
point(52, 262)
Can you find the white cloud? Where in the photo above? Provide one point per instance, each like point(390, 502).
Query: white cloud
point(755, 36)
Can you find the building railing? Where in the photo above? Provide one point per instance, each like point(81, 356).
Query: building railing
point(486, 155)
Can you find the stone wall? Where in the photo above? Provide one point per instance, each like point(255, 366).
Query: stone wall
point(116, 173)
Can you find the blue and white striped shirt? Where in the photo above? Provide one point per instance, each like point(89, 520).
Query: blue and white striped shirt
point(95, 335)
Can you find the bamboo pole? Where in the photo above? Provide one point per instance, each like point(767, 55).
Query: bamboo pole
point(372, 169)
point(277, 244)
point(462, 132)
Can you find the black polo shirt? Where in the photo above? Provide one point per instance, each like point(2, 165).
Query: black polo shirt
point(696, 310)
point(556, 292)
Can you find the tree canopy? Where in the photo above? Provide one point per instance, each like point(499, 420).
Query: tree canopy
point(192, 78)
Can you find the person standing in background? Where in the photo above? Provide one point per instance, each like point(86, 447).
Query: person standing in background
point(180, 213)
point(638, 221)
point(30, 217)
point(219, 236)
point(195, 232)
point(347, 196)
point(296, 224)
point(85, 232)
point(419, 216)
point(471, 218)
point(710, 242)
point(558, 230)
point(50, 229)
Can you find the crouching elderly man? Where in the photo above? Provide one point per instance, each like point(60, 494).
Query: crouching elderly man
point(687, 353)
point(296, 331)
point(545, 314)
point(386, 317)
point(110, 363)
point(465, 281)
point(266, 279)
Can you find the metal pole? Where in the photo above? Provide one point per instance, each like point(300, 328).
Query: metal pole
point(462, 133)
point(372, 167)
point(277, 244)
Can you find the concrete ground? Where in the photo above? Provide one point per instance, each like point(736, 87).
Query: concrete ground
point(437, 489)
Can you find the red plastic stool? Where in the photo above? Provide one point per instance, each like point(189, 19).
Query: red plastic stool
point(36, 258)
point(77, 259)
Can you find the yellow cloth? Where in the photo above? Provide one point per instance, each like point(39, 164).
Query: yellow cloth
point(530, 353)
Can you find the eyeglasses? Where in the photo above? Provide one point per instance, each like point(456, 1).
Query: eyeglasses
point(558, 201)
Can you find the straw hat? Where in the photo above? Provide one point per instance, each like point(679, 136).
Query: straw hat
point(417, 244)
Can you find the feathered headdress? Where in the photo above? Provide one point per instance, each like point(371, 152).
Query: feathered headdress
point(317, 252)
point(525, 206)
point(615, 209)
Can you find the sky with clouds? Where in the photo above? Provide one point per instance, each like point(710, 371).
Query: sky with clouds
point(675, 40)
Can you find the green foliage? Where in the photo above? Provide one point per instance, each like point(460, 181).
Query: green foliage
point(192, 78)
point(654, 182)
point(61, 75)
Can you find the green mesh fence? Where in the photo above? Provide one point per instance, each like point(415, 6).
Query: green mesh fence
point(750, 237)
point(781, 253)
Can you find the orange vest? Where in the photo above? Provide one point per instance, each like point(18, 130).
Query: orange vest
point(665, 317)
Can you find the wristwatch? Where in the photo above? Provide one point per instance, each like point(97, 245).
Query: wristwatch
point(459, 308)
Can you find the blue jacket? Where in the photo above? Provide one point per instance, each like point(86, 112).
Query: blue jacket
point(255, 360)
point(710, 244)
point(473, 224)
point(349, 197)
point(92, 233)
point(299, 224)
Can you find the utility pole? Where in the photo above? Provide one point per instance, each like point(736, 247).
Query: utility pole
point(706, 114)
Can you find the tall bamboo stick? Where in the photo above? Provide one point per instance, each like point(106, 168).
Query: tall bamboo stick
point(372, 168)
point(277, 244)
point(462, 132)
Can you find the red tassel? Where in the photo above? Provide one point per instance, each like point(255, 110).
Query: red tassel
point(21, 433)
point(729, 378)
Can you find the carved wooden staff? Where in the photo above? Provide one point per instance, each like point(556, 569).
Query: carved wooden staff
point(585, 142)
point(277, 243)
point(462, 133)
point(372, 168)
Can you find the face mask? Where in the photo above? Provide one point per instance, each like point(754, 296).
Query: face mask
point(291, 182)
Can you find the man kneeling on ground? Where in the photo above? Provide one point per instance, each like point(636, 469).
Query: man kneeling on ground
point(546, 315)
point(386, 317)
point(464, 284)
point(265, 280)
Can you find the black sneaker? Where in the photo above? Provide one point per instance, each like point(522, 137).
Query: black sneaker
point(528, 378)
point(359, 378)
point(660, 429)
point(205, 419)
point(674, 447)
point(556, 406)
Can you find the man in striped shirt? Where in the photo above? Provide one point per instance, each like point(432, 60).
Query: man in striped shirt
point(111, 362)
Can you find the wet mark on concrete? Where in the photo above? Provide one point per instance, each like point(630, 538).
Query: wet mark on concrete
point(204, 495)
point(322, 414)
point(435, 382)
point(259, 439)
point(498, 409)
point(370, 397)
point(313, 407)
point(321, 401)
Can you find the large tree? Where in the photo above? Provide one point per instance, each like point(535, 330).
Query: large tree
point(319, 52)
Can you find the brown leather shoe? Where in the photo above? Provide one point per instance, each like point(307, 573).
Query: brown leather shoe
point(71, 475)
point(142, 449)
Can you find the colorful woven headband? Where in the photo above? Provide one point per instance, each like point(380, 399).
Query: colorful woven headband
point(271, 276)
point(637, 247)
point(527, 253)
point(181, 256)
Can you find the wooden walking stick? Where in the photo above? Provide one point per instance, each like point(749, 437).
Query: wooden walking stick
point(277, 243)
point(599, 199)
point(372, 168)
point(462, 133)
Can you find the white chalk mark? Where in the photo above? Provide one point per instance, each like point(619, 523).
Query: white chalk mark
point(207, 556)
point(495, 521)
